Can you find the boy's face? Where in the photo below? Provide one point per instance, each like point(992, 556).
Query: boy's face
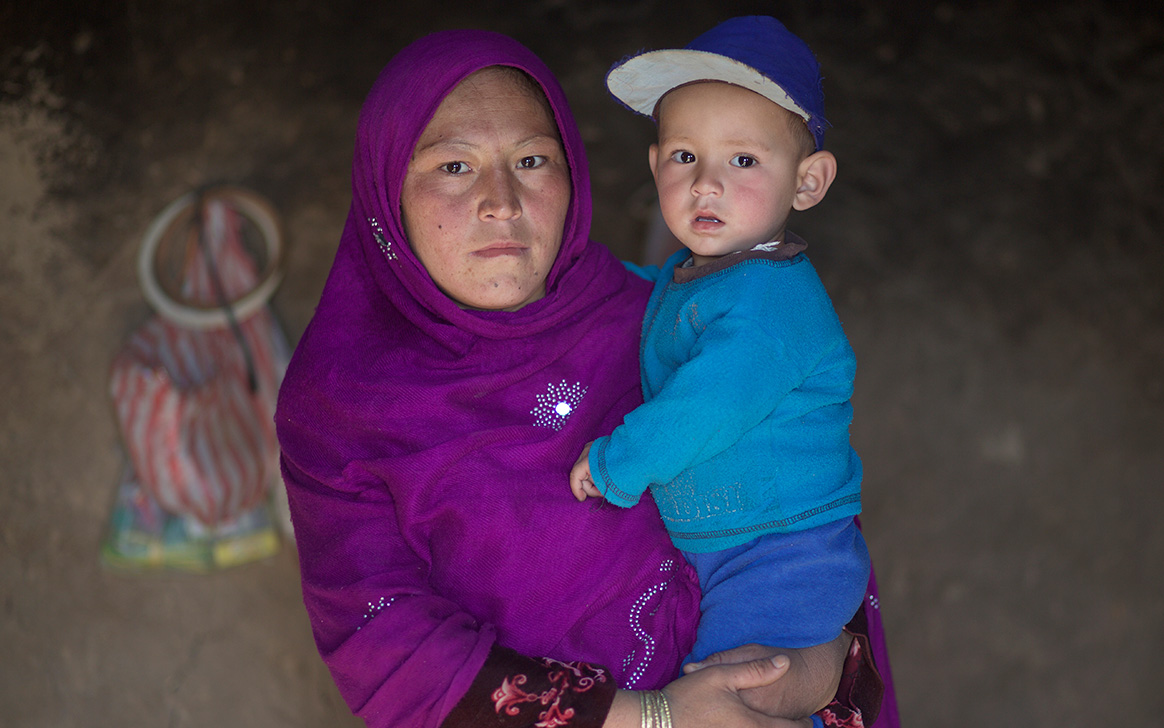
point(726, 168)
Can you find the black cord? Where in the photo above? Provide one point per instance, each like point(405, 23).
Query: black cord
point(220, 294)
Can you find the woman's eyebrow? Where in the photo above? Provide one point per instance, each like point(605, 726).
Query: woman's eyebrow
point(539, 137)
point(458, 143)
point(454, 143)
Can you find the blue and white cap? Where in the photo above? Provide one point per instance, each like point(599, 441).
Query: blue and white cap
point(755, 51)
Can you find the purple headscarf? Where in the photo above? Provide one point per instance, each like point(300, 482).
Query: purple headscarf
point(399, 107)
point(426, 447)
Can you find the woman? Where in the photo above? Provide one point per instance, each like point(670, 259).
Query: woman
point(470, 339)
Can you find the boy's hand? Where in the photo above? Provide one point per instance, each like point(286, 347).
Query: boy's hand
point(581, 483)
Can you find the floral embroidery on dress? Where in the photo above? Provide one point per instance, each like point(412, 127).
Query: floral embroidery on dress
point(847, 708)
point(836, 715)
point(564, 677)
point(555, 406)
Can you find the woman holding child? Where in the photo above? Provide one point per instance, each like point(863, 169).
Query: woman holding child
point(469, 341)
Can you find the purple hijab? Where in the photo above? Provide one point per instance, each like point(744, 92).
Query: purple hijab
point(426, 447)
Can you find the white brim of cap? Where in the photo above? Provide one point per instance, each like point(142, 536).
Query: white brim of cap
point(642, 80)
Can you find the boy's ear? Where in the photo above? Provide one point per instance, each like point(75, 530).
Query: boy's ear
point(814, 176)
point(652, 157)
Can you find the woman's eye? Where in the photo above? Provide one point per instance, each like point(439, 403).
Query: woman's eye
point(683, 157)
point(455, 167)
point(743, 160)
point(532, 162)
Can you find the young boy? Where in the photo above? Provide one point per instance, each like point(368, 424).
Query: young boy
point(747, 374)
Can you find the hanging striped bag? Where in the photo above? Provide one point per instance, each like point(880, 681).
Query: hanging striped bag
point(195, 397)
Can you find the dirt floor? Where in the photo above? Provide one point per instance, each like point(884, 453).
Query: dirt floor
point(993, 245)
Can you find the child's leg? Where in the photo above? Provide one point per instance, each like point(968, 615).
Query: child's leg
point(787, 590)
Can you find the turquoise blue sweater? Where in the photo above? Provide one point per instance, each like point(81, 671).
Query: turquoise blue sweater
point(747, 377)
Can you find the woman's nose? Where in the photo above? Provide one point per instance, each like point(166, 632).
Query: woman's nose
point(499, 198)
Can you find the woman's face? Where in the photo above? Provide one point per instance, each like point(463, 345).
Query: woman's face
point(486, 193)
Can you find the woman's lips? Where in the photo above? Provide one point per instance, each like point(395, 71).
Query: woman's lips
point(496, 251)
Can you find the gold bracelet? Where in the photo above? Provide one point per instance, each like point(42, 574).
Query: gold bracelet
point(666, 717)
point(655, 708)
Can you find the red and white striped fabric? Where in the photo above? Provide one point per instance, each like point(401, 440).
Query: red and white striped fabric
point(201, 442)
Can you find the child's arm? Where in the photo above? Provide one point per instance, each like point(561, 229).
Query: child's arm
point(581, 483)
point(738, 376)
point(809, 685)
point(754, 349)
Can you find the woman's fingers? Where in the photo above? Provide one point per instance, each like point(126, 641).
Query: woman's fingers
point(754, 673)
point(711, 696)
point(743, 653)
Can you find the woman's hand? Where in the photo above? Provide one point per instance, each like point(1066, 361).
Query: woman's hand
point(809, 685)
point(714, 695)
point(710, 698)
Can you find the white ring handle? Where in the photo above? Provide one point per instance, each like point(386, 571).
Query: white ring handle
point(249, 205)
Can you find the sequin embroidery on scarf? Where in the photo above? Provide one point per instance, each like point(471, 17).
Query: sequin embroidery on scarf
point(554, 407)
point(375, 608)
point(381, 238)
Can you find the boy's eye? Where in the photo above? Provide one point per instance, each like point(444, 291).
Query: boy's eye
point(683, 157)
point(455, 167)
point(532, 162)
point(743, 160)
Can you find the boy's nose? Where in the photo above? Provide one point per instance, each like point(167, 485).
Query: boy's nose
point(706, 183)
